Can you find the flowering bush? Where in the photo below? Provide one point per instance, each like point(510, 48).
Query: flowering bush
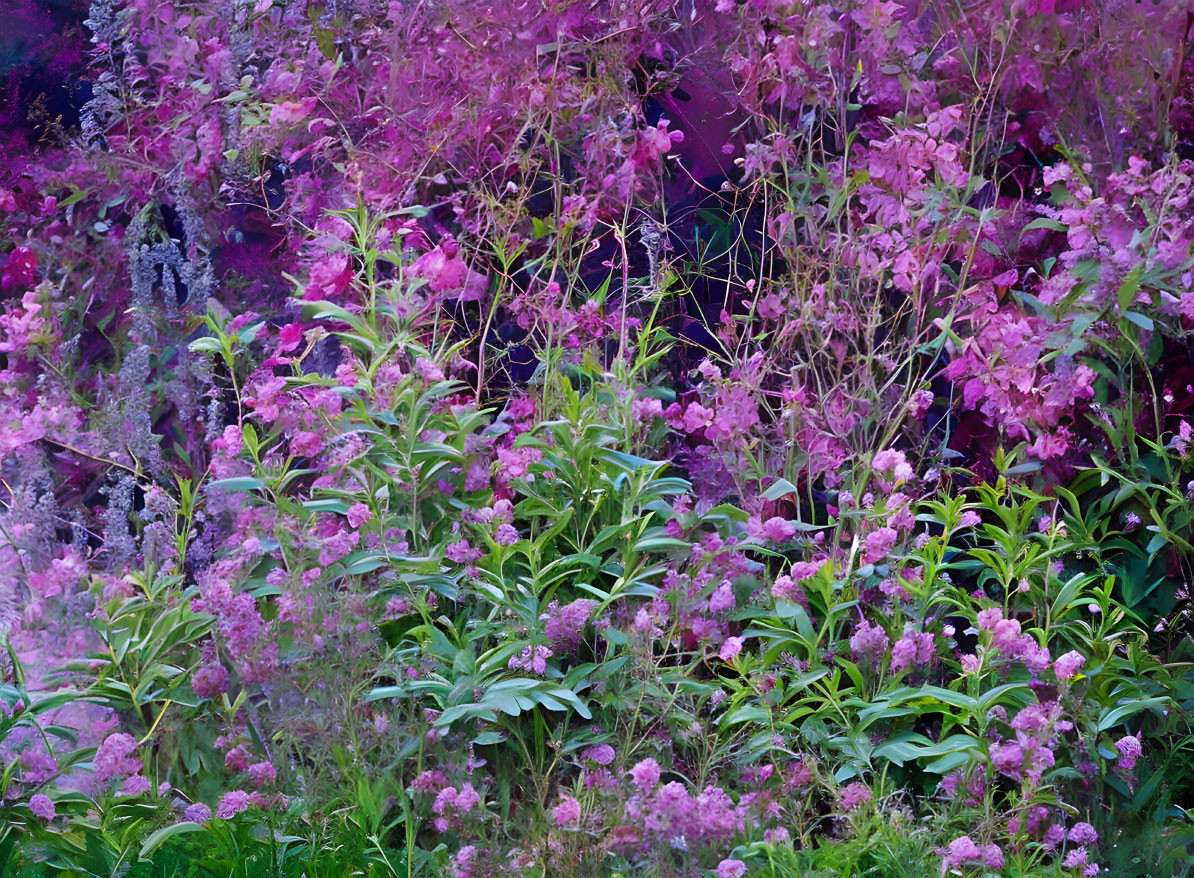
point(715, 438)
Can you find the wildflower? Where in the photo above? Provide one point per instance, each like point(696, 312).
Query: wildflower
point(532, 658)
point(1007, 758)
point(731, 869)
point(1129, 751)
point(566, 812)
point(566, 623)
point(196, 813)
point(505, 535)
point(358, 514)
point(231, 804)
point(992, 857)
point(210, 681)
point(962, 850)
point(722, 598)
point(1068, 665)
point(878, 544)
point(42, 806)
point(645, 774)
point(602, 754)
point(113, 759)
point(134, 785)
point(988, 619)
point(970, 518)
point(854, 795)
point(263, 773)
point(868, 641)
point(1083, 834)
point(730, 649)
point(1076, 858)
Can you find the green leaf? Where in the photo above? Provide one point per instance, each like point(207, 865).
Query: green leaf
point(163, 835)
point(237, 484)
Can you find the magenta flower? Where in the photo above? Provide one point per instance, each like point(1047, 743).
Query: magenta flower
point(1083, 834)
point(134, 785)
point(962, 850)
point(731, 869)
point(567, 812)
point(210, 681)
point(358, 514)
point(262, 773)
point(730, 649)
point(1129, 751)
point(1068, 665)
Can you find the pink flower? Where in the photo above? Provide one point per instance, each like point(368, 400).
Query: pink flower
point(231, 804)
point(731, 869)
point(42, 806)
point(262, 773)
point(778, 530)
point(505, 535)
point(868, 642)
point(1007, 758)
point(854, 795)
point(114, 757)
point(962, 850)
point(566, 812)
point(697, 417)
point(730, 649)
point(602, 754)
point(566, 624)
point(1068, 665)
point(358, 514)
point(722, 598)
point(992, 857)
point(1076, 858)
point(330, 277)
point(878, 544)
point(988, 619)
point(645, 775)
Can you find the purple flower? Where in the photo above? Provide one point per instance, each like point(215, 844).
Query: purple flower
point(567, 812)
point(992, 857)
point(505, 535)
point(1083, 834)
point(196, 813)
point(645, 775)
point(134, 785)
point(1076, 858)
point(722, 598)
point(854, 795)
point(1007, 758)
point(262, 773)
point(358, 514)
point(113, 759)
point(210, 681)
point(989, 618)
point(778, 530)
point(42, 806)
point(566, 624)
point(602, 754)
point(868, 642)
point(232, 803)
point(962, 850)
point(1129, 751)
point(731, 869)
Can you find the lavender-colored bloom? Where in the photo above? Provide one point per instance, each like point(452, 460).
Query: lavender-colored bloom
point(505, 535)
point(1083, 834)
point(262, 773)
point(602, 754)
point(196, 813)
point(1129, 751)
point(232, 803)
point(134, 785)
point(566, 623)
point(731, 869)
point(42, 806)
point(113, 759)
point(645, 774)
